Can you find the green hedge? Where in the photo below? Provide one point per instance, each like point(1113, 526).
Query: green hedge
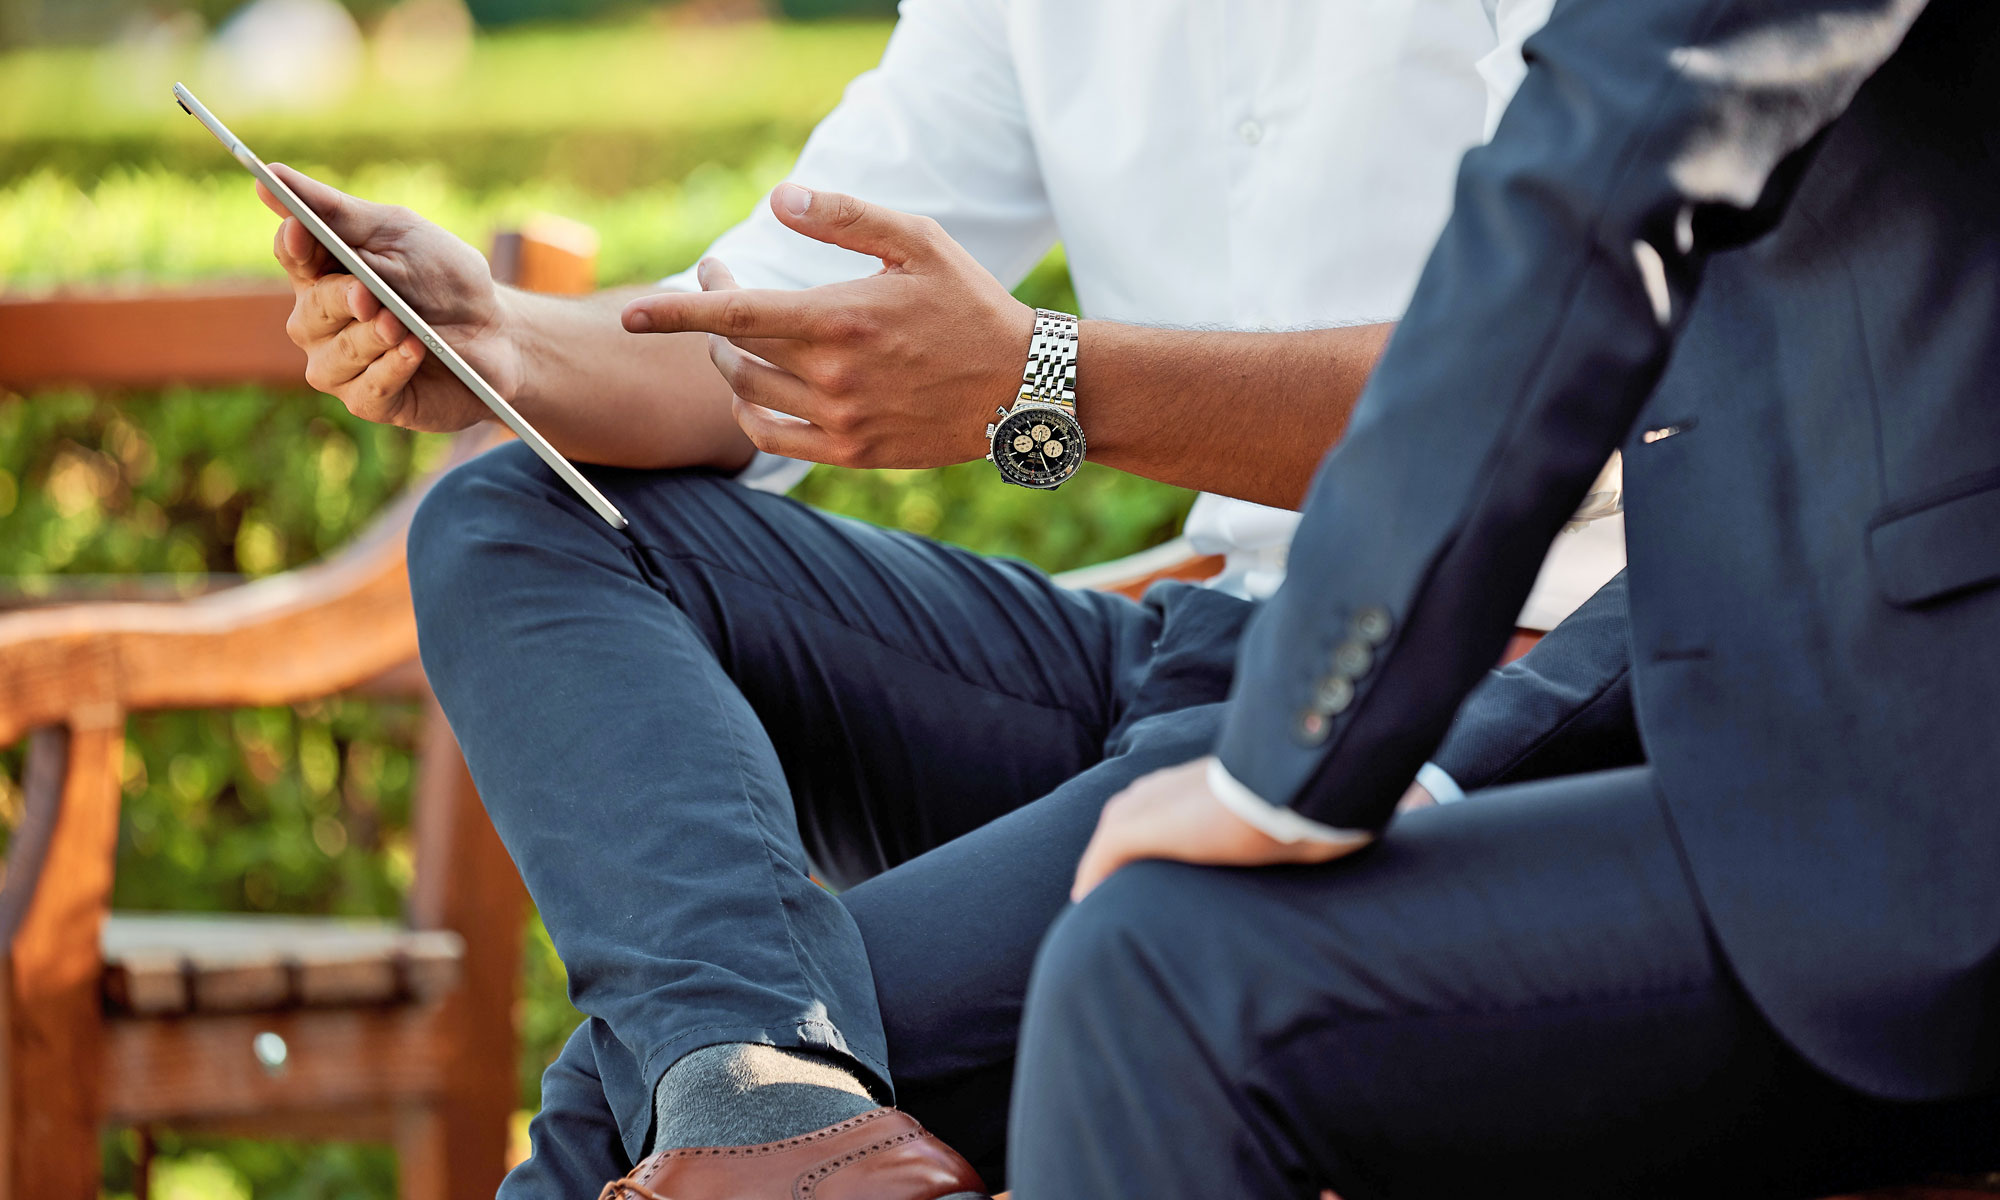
point(137, 225)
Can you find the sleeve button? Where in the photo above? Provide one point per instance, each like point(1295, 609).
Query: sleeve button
point(1312, 728)
point(1371, 625)
point(1335, 693)
point(1352, 659)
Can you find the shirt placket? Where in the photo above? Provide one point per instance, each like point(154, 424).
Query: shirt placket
point(1246, 132)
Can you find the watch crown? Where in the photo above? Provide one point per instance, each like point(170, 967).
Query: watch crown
point(990, 429)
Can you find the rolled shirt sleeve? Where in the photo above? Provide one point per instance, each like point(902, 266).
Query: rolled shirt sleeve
point(937, 128)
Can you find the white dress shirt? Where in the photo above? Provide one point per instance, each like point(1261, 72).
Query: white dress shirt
point(1231, 164)
point(1239, 164)
point(1579, 566)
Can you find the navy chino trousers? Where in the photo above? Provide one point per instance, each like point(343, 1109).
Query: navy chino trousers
point(672, 725)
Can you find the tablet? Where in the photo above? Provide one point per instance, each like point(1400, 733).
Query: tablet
point(457, 365)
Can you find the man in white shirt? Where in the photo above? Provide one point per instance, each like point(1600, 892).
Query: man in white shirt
point(666, 723)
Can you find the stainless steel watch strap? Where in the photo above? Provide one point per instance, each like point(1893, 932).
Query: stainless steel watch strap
point(1050, 376)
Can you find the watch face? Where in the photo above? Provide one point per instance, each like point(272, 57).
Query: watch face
point(1038, 447)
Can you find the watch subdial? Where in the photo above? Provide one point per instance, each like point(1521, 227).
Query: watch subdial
point(1041, 434)
point(1053, 448)
point(1023, 444)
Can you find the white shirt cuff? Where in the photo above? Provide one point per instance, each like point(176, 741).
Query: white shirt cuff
point(773, 473)
point(1280, 823)
point(1442, 787)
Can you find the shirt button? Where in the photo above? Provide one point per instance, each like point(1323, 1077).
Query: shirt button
point(1251, 132)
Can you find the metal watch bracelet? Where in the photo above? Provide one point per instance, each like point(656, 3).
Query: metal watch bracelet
point(1050, 375)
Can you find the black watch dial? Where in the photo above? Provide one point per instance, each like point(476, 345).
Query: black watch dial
point(1038, 447)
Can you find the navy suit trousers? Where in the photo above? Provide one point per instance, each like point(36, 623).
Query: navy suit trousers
point(1513, 995)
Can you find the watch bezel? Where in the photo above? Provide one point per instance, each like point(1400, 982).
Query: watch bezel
point(1073, 434)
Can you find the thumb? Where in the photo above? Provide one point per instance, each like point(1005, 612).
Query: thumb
point(844, 221)
point(357, 221)
point(715, 276)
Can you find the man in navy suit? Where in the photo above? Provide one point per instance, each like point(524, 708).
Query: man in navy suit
point(1733, 924)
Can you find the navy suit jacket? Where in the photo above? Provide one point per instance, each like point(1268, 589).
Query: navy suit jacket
point(1756, 245)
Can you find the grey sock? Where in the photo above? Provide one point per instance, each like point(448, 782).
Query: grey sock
point(741, 1094)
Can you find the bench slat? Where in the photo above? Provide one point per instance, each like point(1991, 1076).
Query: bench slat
point(159, 964)
point(224, 334)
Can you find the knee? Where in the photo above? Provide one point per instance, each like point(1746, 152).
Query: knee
point(467, 506)
point(1130, 945)
point(463, 542)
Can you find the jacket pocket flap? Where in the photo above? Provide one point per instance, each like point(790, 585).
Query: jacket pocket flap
point(1940, 547)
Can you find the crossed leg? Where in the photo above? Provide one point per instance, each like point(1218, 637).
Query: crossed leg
point(951, 938)
point(1512, 995)
point(669, 723)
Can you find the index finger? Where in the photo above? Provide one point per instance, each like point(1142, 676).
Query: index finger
point(763, 313)
point(299, 252)
point(329, 304)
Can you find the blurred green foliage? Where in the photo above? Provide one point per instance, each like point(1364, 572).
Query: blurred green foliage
point(494, 13)
point(605, 108)
point(33, 21)
point(307, 809)
point(136, 224)
point(819, 10)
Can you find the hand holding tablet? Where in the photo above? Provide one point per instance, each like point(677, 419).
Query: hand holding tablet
point(374, 337)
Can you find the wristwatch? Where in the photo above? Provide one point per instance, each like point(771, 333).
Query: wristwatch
point(1037, 443)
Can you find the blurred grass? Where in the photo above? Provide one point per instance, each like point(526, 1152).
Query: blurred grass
point(307, 809)
point(608, 108)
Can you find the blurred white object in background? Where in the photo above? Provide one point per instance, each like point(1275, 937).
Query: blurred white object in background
point(286, 54)
point(424, 44)
point(142, 60)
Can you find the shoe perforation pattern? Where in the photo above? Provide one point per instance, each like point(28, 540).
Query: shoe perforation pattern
point(809, 1182)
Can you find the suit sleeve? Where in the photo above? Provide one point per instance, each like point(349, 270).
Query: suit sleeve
point(1645, 138)
point(1563, 708)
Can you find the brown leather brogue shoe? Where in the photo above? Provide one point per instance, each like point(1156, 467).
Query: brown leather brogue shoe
point(880, 1155)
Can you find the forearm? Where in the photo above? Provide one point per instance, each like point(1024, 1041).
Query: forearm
point(905, 368)
point(1248, 415)
point(603, 395)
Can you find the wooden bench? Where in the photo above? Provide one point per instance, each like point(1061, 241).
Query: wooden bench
point(393, 1031)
